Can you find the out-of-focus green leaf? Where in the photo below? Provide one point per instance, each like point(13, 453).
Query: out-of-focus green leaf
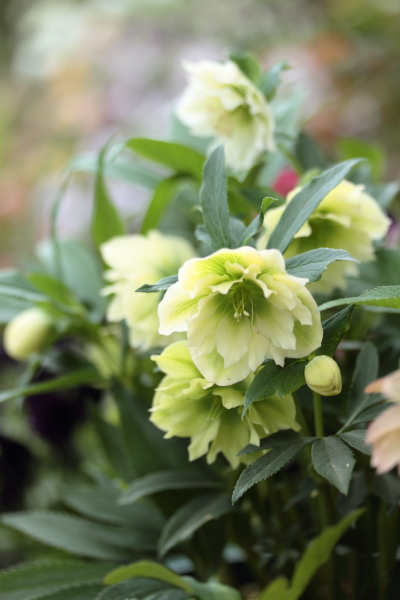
point(212, 591)
point(352, 148)
point(106, 222)
point(147, 569)
point(53, 288)
point(248, 64)
point(163, 195)
point(181, 159)
point(141, 588)
point(276, 590)
point(308, 154)
point(271, 80)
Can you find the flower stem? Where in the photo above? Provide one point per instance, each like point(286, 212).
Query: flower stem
point(318, 420)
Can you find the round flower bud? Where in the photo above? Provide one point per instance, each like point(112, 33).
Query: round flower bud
point(27, 333)
point(323, 376)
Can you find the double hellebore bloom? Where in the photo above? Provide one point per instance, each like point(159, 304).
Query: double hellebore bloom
point(347, 218)
point(221, 101)
point(384, 431)
point(238, 308)
point(135, 260)
point(323, 376)
point(187, 405)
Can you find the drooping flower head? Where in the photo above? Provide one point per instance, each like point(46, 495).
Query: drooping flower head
point(347, 218)
point(238, 308)
point(187, 405)
point(135, 260)
point(221, 101)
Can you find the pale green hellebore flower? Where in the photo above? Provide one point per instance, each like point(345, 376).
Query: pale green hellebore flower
point(28, 333)
point(238, 308)
point(135, 260)
point(187, 405)
point(347, 218)
point(221, 101)
point(322, 375)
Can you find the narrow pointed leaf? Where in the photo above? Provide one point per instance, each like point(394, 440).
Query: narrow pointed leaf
point(312, 264)
point(160, 286)
point(148, 569)
point(257, 223)
point(334, 330)
point(163, 195)
point(305, 202)
point(178, 158)
point(384, 297)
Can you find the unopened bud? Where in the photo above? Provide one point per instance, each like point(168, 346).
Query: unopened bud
point(27, 333)
point(323, 376)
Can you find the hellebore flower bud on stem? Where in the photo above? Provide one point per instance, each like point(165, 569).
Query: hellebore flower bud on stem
point(27, 333)
point(323, 376)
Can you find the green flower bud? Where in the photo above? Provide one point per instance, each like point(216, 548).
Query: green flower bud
point(323, 376)
point(27, 333)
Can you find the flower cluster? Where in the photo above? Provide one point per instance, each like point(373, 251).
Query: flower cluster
point(239, 307)
point(221, 101)
point(187, 405)
point(347, 218)
point(135, 260)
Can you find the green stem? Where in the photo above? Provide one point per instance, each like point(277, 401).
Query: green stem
point(318, 420)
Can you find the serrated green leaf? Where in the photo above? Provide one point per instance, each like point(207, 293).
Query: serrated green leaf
point(165, 480)
point(163, 195)
point(73, 379)
point(147, 569)
point(212, 591)
point(272, 379)
point(257, 223)
point(80, 536)
point(181, 159)
point(286, 437)
point(190, 517)
point(267, 465)
point(106, 222)
point(214, 202)
point(317, 553)
point(356, 439)
point(35, 580)
point(334, 330)
point(160, 286)
point(312, 264)
point(334, 461)
point(101, 504)
point(305, 202)
point(385, 297)
point(271, 80)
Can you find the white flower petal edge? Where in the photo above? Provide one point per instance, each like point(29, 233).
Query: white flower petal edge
point(239, 307)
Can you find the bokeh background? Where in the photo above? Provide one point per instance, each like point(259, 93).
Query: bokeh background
point(76, 72)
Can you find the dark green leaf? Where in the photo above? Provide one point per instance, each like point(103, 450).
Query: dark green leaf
point(248, 64)
point(370, 413)
point(386, 297)
point(358, 492)
point(80, 536)
point(73, 592)
point(317, 553)
point(267, 465)
point(238, 229)
point(163, 195)
point(101, 505)
point(190, 517)
point(313, 263)
point(106, 222)
point(366, 370)
point(272, 79)
point(305, 202)
point(160, 286)
point(165, 480)
point(356, 439)
point(308, 154)
point(272, 379)
point(286, 437)
point(387, 487)
point(35, 580)
point(212, 591)
point(334, 330)
point(64, 382)
point(141, 588)
point(334, 461)
point(180, 159)
point(257, 223)
point(147, 569)
point(214, 202)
